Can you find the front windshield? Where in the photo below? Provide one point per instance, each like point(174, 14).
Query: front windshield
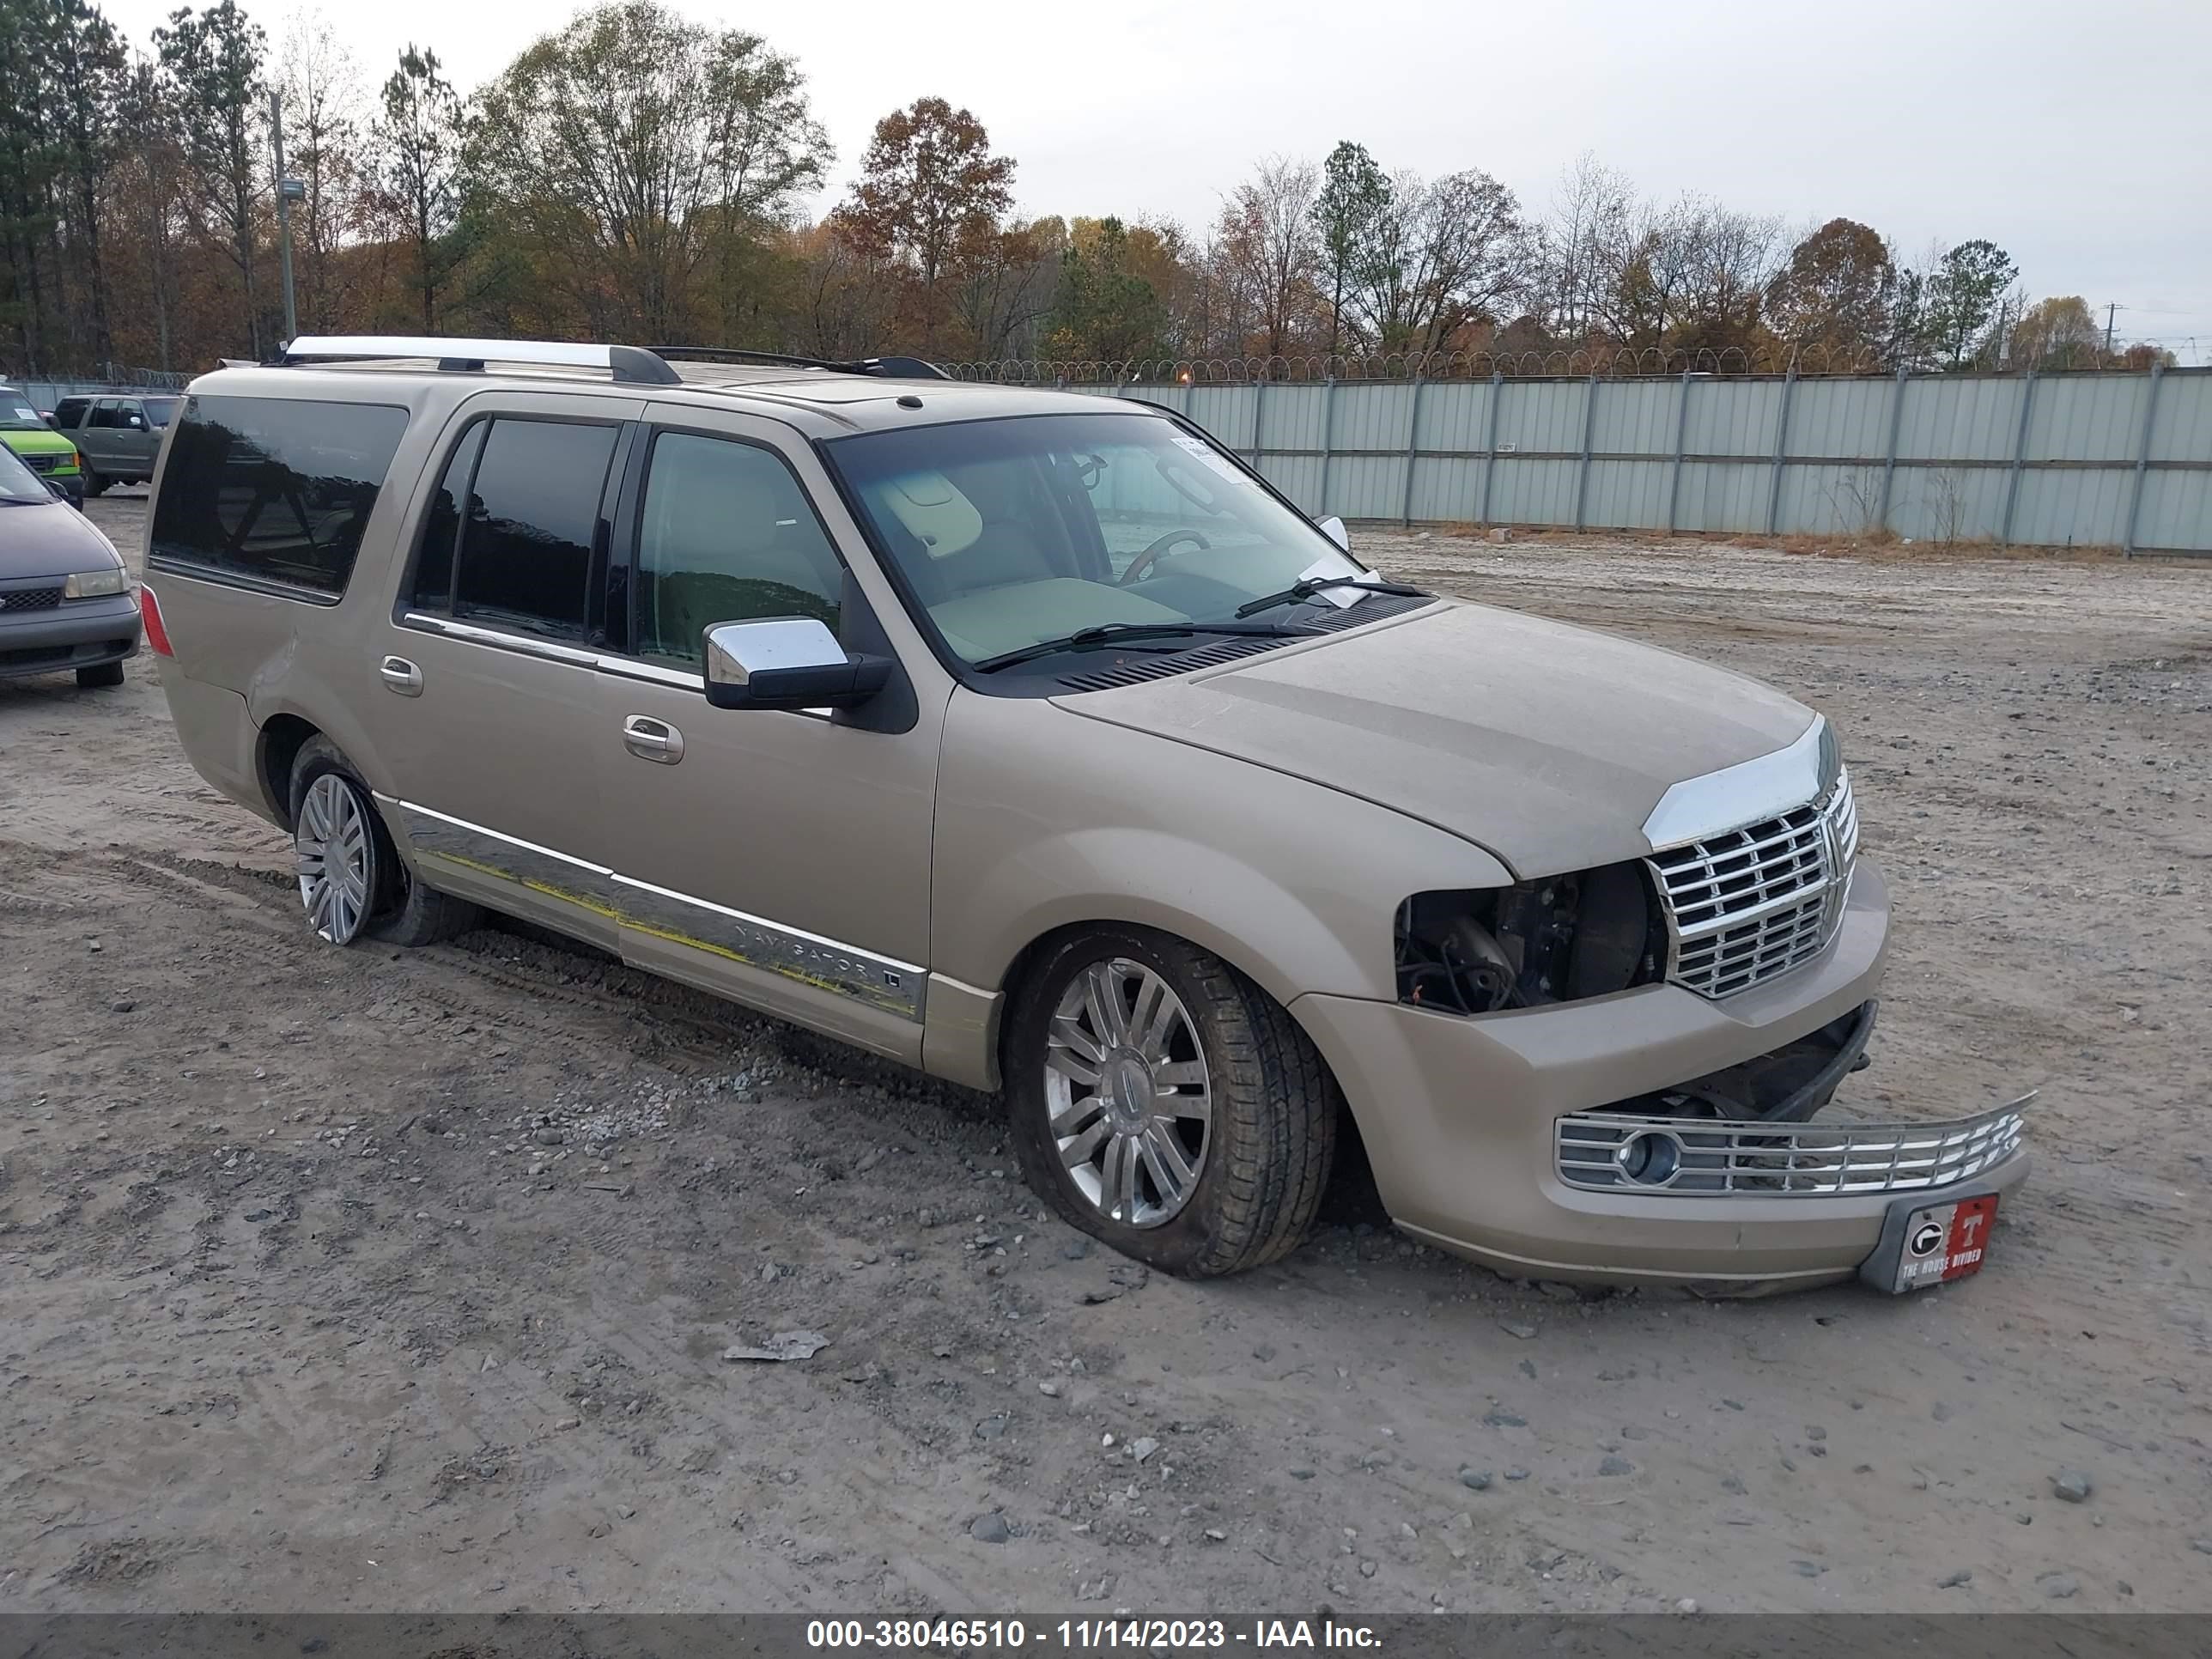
point(1010, 533)
point(17, 482)
point(16, 414)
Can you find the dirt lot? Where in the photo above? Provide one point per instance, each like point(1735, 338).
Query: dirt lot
point(382, 1280)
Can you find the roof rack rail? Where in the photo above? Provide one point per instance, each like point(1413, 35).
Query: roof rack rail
point(625, 363)
point(906, 368)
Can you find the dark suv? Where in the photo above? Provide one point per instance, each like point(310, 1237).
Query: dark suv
point(118, 436)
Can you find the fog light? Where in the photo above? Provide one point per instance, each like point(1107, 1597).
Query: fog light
point(1650, 1159)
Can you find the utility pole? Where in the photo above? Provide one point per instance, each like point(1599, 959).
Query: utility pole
point(289, 190)
point(2109, 311)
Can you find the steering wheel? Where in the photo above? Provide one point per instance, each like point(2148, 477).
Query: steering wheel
point(1141, 566)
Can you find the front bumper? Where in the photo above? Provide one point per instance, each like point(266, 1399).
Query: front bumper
point(75, 634)
point(1460, 1119)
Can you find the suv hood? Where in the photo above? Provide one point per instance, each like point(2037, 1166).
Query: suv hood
point(1548, 745)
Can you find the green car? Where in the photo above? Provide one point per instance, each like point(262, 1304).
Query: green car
point(44, 449)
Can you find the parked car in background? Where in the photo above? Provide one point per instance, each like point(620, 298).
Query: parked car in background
point(64, 600)
point(120, 436)
point(48, 452)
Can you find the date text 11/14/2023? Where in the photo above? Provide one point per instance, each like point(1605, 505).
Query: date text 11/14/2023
point(1085, 1635)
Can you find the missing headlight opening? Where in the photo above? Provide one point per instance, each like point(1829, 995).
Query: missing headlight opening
point(1557, 940)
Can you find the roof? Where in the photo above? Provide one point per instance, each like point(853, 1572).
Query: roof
point(822, 398)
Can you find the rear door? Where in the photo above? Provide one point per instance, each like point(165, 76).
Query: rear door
point(96, 439)
point(488, 718)
point(132, 441)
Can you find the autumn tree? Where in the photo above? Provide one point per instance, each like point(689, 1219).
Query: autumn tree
point(1354, 195)
point(414, 159)
point(214, 60)
point(1837, 292)
point(1005, 285)
point(930, 192)
point(609, 158)
point(2061, 333)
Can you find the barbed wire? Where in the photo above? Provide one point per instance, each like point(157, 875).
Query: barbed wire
point(1605, 362)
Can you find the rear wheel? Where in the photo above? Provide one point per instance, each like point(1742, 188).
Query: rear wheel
point(353, 882)
point(1163, 1103)
point(94, 483)
point(108, 673)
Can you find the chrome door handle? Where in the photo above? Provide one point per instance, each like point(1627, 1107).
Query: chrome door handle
point(651, 740)
point(401, 675)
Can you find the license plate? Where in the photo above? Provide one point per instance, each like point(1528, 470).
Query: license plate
point(1940, 1242)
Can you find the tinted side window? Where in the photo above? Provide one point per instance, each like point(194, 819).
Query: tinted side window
point(533, 513)
point(104, 413)
point(727, 535)
point(275, 488)
point(441, 525)
point(71, 410)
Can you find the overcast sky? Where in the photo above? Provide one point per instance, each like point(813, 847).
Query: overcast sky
point(2078, 136)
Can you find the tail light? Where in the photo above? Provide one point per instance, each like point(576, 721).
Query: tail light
point(150, 613)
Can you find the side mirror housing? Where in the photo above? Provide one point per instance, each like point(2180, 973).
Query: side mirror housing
point(787, 663)
point(54, 489)
point(1332, 527)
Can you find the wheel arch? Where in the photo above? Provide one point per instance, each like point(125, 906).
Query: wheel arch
point(281, 737)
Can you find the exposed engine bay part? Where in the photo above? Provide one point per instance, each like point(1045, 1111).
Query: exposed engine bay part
point(1787, 1085)
point(1476, 951)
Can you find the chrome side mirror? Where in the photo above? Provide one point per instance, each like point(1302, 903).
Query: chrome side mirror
point(1332, 527)
point(788, 662)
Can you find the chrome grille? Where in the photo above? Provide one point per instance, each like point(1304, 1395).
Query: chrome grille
point(1599, 1152)
point(1750, 903)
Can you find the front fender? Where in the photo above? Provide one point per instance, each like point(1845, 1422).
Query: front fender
point(1046, 819)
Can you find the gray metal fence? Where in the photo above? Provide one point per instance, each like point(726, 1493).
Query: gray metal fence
point(2102, 459)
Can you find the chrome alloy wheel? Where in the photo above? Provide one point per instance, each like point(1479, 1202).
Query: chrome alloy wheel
point(331, 843)
point(1126, 1083)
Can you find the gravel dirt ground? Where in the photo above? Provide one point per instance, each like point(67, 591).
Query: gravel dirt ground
point(369, 1279)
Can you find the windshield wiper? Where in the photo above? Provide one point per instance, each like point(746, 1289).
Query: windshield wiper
point(1299, 591)
point(1087, 639)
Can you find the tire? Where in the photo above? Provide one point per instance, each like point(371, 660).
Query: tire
point(393, 907)
point(94, 483)
point(107, 674)
point(1256, 1161)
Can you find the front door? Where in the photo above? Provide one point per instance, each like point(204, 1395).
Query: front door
point(781, 858)
point(487, 716)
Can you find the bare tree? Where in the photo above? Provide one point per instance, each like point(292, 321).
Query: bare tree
point(1443, 254)
point(1266, 236)
point(323, 110)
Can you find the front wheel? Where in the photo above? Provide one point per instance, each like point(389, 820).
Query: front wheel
point(107, 674)
point(1163, 1103)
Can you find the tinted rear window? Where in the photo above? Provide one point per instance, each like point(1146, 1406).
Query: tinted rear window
point(532, 519)
point(274, 488)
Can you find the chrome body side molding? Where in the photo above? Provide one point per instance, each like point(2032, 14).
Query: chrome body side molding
point(482, 856)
